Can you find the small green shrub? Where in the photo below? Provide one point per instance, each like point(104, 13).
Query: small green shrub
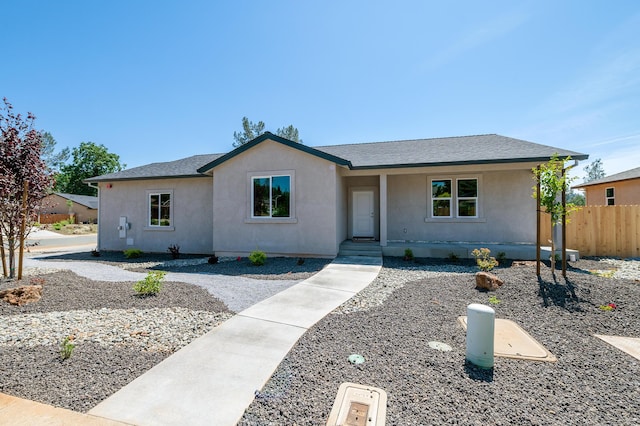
point(151, 284)
point(453, 257)
point(408, 254)
point(494, 300)
point(64, 222)
point(483, 259)
point(66, 347)
point(501, 256)
point(132, 253)
point(57, 226)
point(258, 257)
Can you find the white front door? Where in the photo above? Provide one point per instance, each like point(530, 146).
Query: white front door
point(363, 214)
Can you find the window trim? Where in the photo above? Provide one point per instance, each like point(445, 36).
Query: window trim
point(148, 226)
point(250, 218)
point(454, 216)
point(433, 199)
point(612, 198)
point(459, 198)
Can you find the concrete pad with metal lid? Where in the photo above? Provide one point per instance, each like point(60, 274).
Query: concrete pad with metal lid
point(511, 341)
point(213, 379)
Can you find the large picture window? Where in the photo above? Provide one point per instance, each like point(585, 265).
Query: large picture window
point(271, 196)
point(454, 198)
point(159, 209)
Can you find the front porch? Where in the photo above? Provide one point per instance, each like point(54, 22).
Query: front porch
point(444, 249)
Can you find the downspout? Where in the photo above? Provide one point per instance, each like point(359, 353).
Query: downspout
point(91, 184)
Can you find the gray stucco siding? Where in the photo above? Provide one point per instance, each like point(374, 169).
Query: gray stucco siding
point(312, 227)
point(506, 210)
point(190, 214)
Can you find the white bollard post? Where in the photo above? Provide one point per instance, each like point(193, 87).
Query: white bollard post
point(480, 335)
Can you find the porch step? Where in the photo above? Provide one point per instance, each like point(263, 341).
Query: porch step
point(365, 248)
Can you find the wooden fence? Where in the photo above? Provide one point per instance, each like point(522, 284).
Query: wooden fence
point(601, 231)
point(54, 217)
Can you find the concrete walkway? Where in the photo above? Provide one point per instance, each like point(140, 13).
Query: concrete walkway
point(213, 380)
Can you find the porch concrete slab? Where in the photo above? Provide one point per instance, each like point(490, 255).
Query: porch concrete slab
point(630, 345)
point(214, 379)
point(210, 381)
point(511, 341)
point(23, 412)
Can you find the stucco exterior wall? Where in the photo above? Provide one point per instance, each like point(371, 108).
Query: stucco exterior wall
point(506, 209)
point(312, 229)
point(342, 203)
point(191, 215)
point(627, 192)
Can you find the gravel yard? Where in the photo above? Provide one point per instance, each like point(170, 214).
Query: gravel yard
point(389, 323)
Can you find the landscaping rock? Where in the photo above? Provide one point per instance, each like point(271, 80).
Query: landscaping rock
point(487, 281)
point(22, 295)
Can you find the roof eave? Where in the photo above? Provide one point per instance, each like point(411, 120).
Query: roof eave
point(462, 163)
point(113, 179)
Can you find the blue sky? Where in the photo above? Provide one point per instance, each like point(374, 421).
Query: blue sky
point(161, 80)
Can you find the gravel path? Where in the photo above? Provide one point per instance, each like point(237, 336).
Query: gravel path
point(391, 322)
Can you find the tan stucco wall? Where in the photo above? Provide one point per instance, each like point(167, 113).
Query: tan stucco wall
point(191, 215)
point(58, 205)
point(313, 227)
point(506, 208)
point(627, 192)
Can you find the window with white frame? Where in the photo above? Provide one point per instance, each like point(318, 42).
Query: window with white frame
point(467, 197)
point(610, 196)
point(160, 209)
point(441, 197)
point(271, 196)
point(448, 201)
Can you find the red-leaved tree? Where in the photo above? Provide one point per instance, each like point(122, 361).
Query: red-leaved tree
point(20, 162)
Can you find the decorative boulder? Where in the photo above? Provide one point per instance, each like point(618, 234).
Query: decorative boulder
point(487, 281)
point(22, 295)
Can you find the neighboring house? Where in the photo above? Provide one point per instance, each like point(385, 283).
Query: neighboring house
point(290, 199)
point(84, 207)
point(615, 190)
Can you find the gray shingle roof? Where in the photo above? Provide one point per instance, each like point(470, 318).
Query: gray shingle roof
point(185, 167)
point(480, 149)
point(626, 175)
point(84, 200)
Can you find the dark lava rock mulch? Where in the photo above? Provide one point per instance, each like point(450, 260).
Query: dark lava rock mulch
point(592, 383)
point(66, 291)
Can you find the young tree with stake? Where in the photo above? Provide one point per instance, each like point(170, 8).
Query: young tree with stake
point(22, 172)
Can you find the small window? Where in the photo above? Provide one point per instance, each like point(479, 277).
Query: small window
point(441, 198)
point(271, 196)
point(159, 209)
point(610, 196)
point(467, 197)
